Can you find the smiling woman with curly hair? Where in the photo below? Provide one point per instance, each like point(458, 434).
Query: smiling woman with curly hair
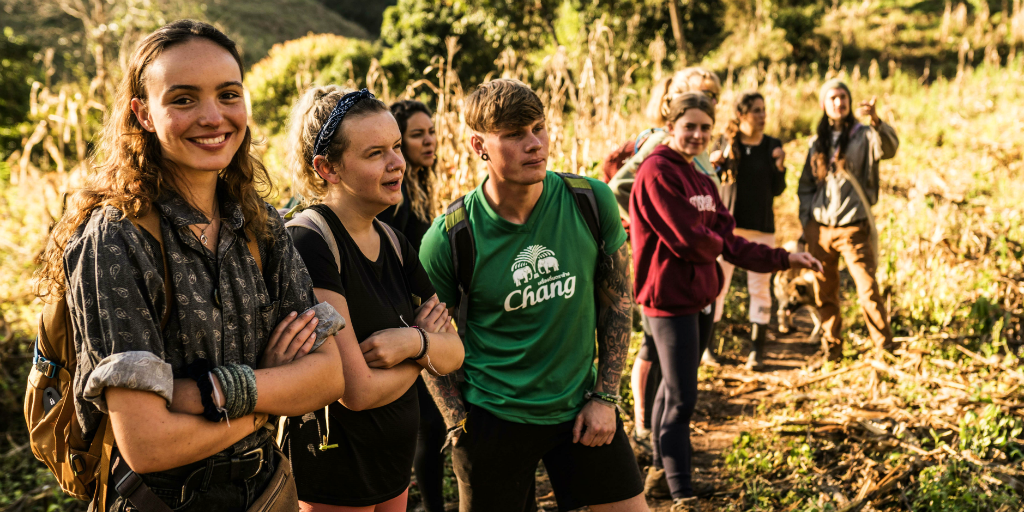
point(180, 278)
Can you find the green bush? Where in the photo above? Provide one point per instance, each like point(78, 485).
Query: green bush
point(17, 72)
point(276, 81)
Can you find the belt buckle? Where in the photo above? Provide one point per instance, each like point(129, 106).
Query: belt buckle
point(255, 451)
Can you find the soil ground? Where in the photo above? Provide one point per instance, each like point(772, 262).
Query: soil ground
point(720, 417)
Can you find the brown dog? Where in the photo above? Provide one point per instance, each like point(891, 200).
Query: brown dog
point(794, 289)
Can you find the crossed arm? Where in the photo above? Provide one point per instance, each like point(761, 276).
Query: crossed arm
point(154, 437)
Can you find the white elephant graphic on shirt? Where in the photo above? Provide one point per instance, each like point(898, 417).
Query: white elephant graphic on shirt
point(547, 265)
point(532, 262)
point(522, 275)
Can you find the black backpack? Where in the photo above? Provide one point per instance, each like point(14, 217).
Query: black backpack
point(460, 237)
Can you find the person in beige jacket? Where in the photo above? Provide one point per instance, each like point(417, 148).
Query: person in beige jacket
point(839, 184)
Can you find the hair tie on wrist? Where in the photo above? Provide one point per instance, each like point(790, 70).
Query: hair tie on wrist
point(424, 343)
point(199, 371)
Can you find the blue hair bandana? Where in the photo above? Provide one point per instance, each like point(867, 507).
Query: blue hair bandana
point(330, 127)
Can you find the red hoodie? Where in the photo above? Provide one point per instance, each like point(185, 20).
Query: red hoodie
point(679, 228)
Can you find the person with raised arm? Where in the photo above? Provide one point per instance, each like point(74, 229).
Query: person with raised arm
point(838, 186)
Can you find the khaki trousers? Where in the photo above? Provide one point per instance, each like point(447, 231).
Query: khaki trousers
point(853, 244)
point(758, 284)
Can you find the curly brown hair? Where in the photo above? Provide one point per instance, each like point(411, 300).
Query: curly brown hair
point(133, 173)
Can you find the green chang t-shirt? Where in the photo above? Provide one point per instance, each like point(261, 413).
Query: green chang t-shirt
point(532, 321)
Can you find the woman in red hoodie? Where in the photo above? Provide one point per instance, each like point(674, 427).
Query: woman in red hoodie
point(679, 228)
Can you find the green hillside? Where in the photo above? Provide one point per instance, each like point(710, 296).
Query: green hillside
point(260, 24)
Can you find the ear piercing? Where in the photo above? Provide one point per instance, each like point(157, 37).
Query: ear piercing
point(485, 157)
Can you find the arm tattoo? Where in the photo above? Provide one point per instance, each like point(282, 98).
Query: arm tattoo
point(445, 390)
point(614, 318)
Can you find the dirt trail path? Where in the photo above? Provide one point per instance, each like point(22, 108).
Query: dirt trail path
point(725, 409)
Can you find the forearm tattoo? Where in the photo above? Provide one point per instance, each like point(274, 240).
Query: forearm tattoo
point(614, 318)
point(445, 390)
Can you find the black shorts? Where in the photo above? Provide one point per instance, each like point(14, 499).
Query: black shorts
point(496, 463)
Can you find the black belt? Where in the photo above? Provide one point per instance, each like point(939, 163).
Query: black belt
point(215, 470)
point(236, 469)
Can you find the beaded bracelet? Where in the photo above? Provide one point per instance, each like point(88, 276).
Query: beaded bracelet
point(603, 397)
point(252, 393)
point(227, 386)
point(238, 381)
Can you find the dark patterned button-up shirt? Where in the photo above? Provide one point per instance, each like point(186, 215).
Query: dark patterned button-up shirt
point(222, 308)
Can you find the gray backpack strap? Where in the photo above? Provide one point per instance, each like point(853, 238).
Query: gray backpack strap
point(393, 238)
point(311, 219)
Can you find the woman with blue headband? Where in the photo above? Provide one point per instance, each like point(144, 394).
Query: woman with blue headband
point(357, 454)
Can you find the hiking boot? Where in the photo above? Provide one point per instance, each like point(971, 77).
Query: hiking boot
point(758, 335)
point(656, 485)
point(684, 505)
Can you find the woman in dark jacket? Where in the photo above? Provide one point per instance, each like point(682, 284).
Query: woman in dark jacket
point(753, 170)
point(680, 227)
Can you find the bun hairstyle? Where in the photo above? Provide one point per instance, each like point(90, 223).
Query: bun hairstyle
point(691, 100)
point(684, 81)
point(309, 114)
point(419, 182)
point(133, 173)
point(732, 132)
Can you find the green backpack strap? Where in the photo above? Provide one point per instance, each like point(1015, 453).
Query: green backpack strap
point(587, 203)
point(460, 238)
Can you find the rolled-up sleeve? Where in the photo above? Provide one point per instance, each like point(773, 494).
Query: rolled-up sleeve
point(116, 296)
point(138, 370)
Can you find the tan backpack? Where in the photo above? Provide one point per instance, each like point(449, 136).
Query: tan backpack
point(81, 467)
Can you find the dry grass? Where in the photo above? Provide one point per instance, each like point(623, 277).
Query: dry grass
point(952, 234)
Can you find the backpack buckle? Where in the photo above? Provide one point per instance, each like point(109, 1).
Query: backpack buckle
point(48, 368)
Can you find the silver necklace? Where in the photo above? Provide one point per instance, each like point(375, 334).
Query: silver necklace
point(202, 232)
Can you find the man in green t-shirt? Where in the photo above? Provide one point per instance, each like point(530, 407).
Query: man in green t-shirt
point(530, 390)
